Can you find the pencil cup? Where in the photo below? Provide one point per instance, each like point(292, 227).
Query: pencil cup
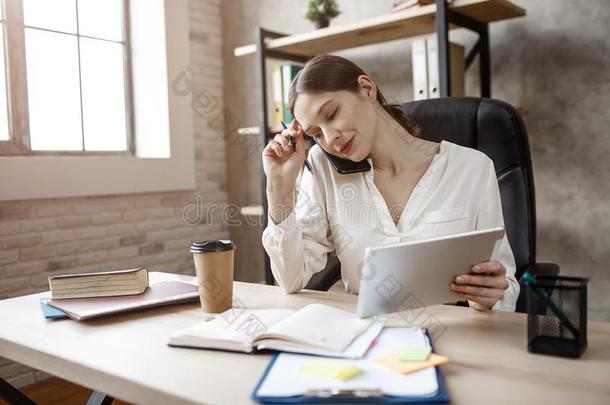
point(214, 269)
point(557, 327)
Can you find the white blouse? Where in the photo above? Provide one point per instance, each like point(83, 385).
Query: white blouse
point(346, 213)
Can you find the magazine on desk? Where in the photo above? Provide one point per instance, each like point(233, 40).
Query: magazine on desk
point(314, 329)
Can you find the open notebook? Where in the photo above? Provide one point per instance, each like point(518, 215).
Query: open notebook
point(314, 329)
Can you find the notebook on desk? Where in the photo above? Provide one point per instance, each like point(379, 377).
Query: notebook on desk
point(314, 329)
point(284, 382)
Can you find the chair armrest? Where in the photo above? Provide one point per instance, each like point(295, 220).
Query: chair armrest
point(536, 270)
point(325, 279)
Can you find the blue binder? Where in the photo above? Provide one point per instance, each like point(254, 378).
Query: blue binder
point(50, 312)
point(441, 395)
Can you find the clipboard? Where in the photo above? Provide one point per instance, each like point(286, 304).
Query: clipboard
point(352, 396)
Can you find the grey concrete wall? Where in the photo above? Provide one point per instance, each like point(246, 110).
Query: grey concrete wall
point(555, 63)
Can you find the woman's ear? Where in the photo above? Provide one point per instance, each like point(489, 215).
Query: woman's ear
point(367, 87)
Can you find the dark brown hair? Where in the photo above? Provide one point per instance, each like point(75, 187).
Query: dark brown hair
point(334, 73)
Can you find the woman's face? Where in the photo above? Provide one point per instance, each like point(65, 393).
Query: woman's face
point(343, 122)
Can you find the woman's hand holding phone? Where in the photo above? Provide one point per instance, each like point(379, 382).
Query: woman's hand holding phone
point(282, 163)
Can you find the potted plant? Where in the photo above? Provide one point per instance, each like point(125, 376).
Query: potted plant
point(320, 12)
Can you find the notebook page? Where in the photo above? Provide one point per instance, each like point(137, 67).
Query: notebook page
point(357, 349)
point(285, 379)
point(252, 322)
point(321, 326)
point(237, 326)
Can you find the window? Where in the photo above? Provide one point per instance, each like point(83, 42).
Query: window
point(158, 52)
point(69, 81)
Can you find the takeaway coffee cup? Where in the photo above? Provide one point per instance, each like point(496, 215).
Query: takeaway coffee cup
point(214, 268)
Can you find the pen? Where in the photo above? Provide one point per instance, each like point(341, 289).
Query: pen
point(293, 142)
point(531, 280)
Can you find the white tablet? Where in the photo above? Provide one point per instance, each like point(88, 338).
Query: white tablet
point(409, 275)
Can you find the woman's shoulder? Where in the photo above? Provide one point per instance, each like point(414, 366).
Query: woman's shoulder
point(467, 158)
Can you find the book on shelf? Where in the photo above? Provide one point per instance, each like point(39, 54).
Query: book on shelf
point(289, 72)
point(315, 329)
point(424, 58)
point(281, 77)
point(101, 284)
point(278, 105)
point(419, 59)
point(457, 66)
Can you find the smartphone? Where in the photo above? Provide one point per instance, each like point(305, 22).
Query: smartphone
point(345, 166)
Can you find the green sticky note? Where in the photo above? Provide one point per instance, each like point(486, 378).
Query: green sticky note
point(330, 369)
point(415, 354)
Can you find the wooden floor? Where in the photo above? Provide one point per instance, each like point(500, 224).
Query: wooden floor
point(55, 391)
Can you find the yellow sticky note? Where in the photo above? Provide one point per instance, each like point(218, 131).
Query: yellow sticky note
point(211, 325)
point(393, 363)
point(330, 369)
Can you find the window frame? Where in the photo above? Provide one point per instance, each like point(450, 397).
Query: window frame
point(28, 177)
point(18, 143)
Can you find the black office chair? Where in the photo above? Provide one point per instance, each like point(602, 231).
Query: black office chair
point(495, 128)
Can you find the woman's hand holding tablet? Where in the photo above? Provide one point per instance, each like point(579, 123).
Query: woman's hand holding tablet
point(483, 287)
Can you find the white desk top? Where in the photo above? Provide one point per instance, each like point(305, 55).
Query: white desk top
point(126, 356)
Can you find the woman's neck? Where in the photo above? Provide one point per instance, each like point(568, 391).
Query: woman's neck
point(395, 150)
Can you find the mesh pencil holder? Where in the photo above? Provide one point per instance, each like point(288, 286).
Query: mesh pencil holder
point(559, 327)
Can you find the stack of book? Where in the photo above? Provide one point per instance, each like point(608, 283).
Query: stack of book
point(91, 295)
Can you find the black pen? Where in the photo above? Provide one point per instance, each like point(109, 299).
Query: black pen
point(293, 142)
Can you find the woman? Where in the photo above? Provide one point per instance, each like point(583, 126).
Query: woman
point(415, 189)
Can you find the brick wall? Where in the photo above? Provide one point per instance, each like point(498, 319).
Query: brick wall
point(39, 238)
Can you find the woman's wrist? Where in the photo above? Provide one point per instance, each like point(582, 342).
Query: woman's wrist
point(479, 307)
point(280, 205)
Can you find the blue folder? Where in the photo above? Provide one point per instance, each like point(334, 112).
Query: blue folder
point(441, 395)
point(50, 312)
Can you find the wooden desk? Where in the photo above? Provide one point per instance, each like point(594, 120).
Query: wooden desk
point(127, 357)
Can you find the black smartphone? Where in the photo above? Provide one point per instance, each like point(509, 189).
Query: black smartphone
point(345, 166)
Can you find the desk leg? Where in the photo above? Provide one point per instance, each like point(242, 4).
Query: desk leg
point(12, 395)
point(99, 398)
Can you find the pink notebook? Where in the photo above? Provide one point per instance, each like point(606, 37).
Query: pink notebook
point(162, 293)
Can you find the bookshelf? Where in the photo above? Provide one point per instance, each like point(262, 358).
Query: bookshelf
point(439, 17)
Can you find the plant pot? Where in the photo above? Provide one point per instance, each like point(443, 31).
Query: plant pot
point(322, 23)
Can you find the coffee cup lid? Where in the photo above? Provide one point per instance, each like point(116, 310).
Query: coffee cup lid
point(217, 245)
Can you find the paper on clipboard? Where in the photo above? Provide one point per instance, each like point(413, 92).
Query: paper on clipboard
point(285, 380)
